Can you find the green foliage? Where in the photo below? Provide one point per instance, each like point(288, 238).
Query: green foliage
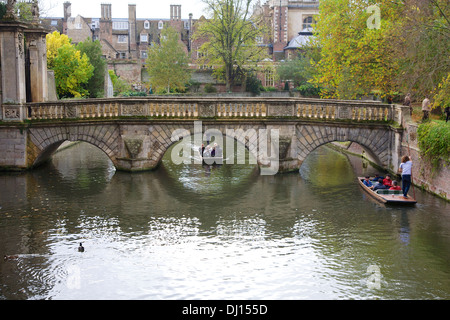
point(120, 86)
point(168, 64)
point(434, 141)
point(93, 50)
point(269, 89)
point(209, 88)
point(23, 10)
point(2, 9)
point(134, 94)
point(298, 70)
point(253, 84)
point(308, 90)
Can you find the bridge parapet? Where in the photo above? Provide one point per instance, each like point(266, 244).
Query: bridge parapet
point(177, 107)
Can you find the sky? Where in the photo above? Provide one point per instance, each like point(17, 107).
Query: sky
point(145, 8)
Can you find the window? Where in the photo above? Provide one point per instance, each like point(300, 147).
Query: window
point(269, 79)
point(259, 40)
point(122, 38)
point(78, 26)
point(120, 25)
point(307, 22)
point(160, 25)
point(144, 54)
point(122, 55)
point(144, 37)
point(54, 23)
point(186, 25)
point(146, 25)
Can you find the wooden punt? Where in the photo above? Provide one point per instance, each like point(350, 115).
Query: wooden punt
point(387, 196)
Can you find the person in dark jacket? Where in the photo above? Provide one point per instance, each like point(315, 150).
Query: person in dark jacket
point(380, 185)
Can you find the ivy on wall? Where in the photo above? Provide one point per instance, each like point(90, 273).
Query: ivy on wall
point(434, 142)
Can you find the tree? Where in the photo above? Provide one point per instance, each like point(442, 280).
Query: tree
point(72, 68)
point(232, 39)
point(55, 41)
point(167, 63)
point(72, 72)
point(423, 48)
point(93, 50)
point(355, 58)
point(299, 70)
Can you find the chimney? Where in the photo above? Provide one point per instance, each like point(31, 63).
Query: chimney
point(106, 12)
point(106, 23)
point(175, 12)
point(67, 10)
point(132, 30)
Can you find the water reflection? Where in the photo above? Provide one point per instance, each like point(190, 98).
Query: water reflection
point(185, 233)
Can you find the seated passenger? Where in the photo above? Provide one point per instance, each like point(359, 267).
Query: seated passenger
point(367, 182)
point(380, 185)
point(387, 181)
point(213, 152)
point(377, 177)
point(207, 152)
point(395, 186)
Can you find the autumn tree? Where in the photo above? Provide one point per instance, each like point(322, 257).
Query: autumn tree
point(232, 34)
point(423, 48)
point(356, 56)
point(168, 63)
point(72, 68)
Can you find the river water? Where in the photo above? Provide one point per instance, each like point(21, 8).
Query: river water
point(195, 232)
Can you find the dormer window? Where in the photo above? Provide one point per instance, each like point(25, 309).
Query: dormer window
point(146, 25)
point(160, 25)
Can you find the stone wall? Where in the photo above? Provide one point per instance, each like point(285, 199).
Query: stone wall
point(13, 149)
point(436, 181)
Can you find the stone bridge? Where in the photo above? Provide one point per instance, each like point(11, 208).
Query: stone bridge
point(136, 133)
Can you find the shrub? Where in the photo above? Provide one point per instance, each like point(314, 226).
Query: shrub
point(209, 88)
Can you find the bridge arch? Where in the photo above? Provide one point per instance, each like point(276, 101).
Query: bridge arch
point(375, 141)
point(44, 141)
point(162, 137)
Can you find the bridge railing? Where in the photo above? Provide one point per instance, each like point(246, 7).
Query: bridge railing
point(177, 107)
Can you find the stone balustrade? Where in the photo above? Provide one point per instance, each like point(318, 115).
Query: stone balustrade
point(183, 107)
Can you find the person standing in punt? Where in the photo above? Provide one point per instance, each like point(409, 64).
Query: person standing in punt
point(406, 170)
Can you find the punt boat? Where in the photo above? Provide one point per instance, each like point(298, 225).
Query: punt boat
point(387, 196)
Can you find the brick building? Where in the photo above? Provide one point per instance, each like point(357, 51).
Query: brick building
point(125, 41)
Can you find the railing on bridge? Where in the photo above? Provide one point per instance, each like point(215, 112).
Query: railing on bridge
point(162, 107)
